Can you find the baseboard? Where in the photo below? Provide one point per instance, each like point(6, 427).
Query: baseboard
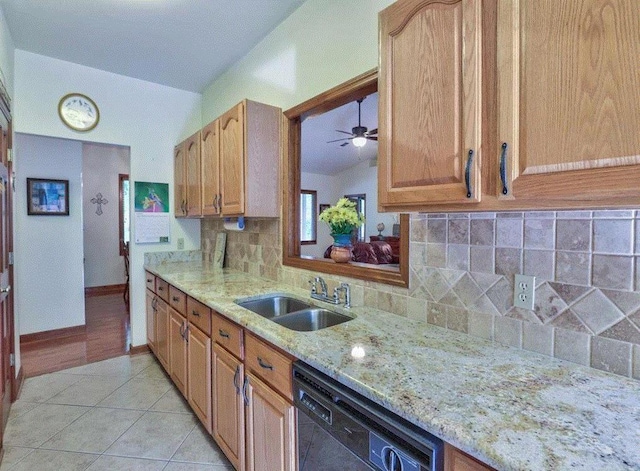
point(139, 349)
point(54, 334)
point(104, 290)
point(16, 385)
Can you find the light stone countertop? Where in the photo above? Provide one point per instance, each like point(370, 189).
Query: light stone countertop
point(510, 408)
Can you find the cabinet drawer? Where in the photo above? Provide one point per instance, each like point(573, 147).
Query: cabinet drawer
point(199, 315)
point(270, 365)
point(229, 335)
point(150, 280)
point(162, 289)
point(178, 300)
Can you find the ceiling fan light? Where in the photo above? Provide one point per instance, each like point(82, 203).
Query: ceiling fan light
point(359, 141)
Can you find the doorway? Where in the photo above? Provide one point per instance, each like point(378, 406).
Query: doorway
point(76, 262)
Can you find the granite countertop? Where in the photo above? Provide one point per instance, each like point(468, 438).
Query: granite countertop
point(510, 408)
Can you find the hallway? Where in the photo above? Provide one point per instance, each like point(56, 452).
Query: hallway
point(107, 335)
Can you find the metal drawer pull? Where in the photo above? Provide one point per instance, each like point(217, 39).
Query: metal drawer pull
point(195, 313)
point(503, 168)
point(223, 333)
point(235, 379)
point(175, 299)
point(264, 365)
point(244, 391)
point(160, 288)
point(182, 330)
point(467, 173)
point(148, 280)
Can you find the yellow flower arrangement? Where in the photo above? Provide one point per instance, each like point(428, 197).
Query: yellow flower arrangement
point(343, 217)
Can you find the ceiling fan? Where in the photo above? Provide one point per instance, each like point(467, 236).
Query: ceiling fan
point(359, 134)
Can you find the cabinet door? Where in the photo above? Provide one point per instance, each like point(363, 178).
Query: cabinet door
point(430, 109)
point(180, 180)
point(199, 375)
point(455, 460)
point(271, 429)
point(178, 350)
point(210, 151)
point(151, 303)
point(232, 160)
point(162, 333)
point(228, 406)
point(569, 91)
point(192, 158)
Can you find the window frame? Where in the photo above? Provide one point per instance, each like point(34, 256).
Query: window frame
point(314, 217)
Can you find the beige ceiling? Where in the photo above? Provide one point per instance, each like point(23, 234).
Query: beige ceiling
point(179, 43)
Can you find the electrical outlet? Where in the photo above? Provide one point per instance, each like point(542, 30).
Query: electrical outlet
point(523, 291)
point(180, 243)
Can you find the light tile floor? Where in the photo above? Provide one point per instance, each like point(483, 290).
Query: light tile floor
point(118, 414)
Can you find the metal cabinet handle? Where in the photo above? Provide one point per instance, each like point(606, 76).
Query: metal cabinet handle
point(182, 331)
point(467, 173)
point(264, 365)
point(149, 281)
point(195, 313)
point(223, 333)
point(176, 299)
point(245, 398)
point(235, 379)
point(154, 303)
point(160, 288)
point(186, 334)
point(215, 202)
point(219, 202)
point(503, 168)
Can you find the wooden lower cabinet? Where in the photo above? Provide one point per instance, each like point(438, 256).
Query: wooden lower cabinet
point(162, 333)
point(151, 319)
point(199, 374)
point(228, 405)
point(271, 429)
point(178, 350)
point(456, 460)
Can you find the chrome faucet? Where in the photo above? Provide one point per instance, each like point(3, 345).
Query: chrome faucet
point(323, 293)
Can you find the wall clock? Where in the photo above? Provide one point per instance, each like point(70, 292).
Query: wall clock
point(78, 112)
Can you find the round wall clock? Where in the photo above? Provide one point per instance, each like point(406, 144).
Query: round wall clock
point(79, 112)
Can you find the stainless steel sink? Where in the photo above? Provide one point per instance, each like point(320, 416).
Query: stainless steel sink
point(273, 306)
point(311, 319)
point(293, 313)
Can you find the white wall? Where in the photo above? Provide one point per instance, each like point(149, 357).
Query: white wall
point(322, 44)
point(46, 247)
point(101, 166)
point(147, 117)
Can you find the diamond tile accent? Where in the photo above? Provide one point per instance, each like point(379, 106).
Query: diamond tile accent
point(597, 311)
point(570, 321)
point(548, 304)
point(627, 301)
point(623, 330)
point(569, 293)
point(467, 290)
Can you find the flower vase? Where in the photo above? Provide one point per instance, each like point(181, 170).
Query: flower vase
point(341, 251)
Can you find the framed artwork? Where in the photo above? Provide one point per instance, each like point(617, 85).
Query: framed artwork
point(323, 207)
point(47, 197)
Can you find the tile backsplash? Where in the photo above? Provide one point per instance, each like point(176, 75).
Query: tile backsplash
point(462, 267)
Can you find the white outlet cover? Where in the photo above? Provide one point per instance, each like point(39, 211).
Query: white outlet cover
point(524, 291)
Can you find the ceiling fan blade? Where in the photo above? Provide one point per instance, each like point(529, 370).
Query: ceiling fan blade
point(373, 131)
point(344, 144)
point(338, 140)
point(372, 138)
point(345, 132)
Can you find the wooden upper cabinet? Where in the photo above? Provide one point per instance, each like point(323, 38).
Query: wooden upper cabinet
point(430, 103)
point(568, 100)
point(250, 160)
point(193, 171)
point(232, 160)
point(180, 180)
point(210, 149)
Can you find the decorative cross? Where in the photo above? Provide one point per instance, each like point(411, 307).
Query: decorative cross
point(99, 200)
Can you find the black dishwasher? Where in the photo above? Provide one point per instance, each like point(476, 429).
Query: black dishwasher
point(339, 429)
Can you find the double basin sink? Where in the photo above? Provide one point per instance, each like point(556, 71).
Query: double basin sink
point(293, 313)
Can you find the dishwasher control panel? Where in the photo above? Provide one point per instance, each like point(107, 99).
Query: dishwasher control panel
point(386, 457)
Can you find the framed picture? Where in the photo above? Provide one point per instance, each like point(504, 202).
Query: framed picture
point(323, 207)
point(47, 197)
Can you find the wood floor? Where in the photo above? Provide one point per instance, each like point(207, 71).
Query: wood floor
point(107, 335)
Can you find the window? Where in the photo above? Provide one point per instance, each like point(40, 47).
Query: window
point(123, 192)
point(308, 216)
point(360, 201)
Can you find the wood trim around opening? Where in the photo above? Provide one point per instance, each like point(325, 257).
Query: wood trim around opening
point(139, 349)
point(349, 91)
